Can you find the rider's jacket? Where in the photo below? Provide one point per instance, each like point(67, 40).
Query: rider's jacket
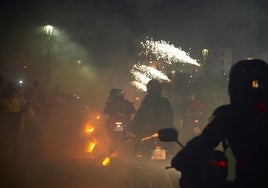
point(118, 109)
point(155, 112)
point(243, 130)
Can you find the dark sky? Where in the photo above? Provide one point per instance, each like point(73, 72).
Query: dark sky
point(186, 22)
point(105, 26)
point(108, 34)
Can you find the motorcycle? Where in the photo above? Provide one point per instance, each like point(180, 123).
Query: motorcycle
point(209, 173)
point(154, 149)
point(116, 129)
point(148, 166)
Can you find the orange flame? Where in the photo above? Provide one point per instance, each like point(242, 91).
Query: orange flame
point(106, 161)
point(91, 147)
point(90, 130)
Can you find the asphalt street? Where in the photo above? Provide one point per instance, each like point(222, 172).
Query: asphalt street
point(88, 173)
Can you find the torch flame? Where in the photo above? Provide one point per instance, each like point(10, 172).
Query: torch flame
point(91, 146)
point(90, 130)
point(106, 161)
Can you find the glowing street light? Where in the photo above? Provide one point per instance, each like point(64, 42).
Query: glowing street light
point(173, 84)
point(48, 30)
point(205, 55)
point(49, 33)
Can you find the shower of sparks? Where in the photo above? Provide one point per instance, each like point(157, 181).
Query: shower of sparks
point(164, 51)
point(151, 72)
point(143, 74)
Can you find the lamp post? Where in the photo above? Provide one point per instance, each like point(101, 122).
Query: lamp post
point(48, 31)
point(205, 55)
point(173, 84)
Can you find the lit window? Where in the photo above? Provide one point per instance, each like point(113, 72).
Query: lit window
point(255, 84)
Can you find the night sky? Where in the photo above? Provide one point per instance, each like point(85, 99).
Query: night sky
point(121, 23)
point(110, 31)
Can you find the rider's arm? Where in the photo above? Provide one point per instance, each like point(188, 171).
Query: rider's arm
point(138, 121)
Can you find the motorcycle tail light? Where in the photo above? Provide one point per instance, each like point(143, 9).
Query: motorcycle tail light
point(218, 163)
point(196, 121)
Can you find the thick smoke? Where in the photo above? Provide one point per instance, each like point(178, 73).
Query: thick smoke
point(94, 47)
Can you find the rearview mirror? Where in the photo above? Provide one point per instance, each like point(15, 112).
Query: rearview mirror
point(168, 135)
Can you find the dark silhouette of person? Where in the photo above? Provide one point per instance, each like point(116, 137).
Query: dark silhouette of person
point(154, 113)
point(117, 110)
point(241, 127)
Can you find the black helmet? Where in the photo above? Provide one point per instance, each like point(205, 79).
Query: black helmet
point(249, 77)
point(116, 92)
point(154, 86)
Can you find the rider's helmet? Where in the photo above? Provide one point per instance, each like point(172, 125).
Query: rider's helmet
point(115, 92)
point(154, 86)
point(248, 78)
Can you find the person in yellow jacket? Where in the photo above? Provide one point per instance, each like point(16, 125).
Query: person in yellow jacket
point(12, 122)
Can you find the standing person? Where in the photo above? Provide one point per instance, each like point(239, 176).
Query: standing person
point(242, 127)
point(118, 111)
point(12, 120)
point(154, 113)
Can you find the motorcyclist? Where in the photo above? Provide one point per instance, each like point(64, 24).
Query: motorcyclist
point(154, 113)
point(117, 109)
point(242, 128)
point(193, 120)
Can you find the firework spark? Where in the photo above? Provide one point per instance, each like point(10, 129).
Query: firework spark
point(143, 74)
point(167, 52)
point(162, 52)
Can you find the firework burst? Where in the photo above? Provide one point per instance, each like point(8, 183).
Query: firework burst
point(162, 52)
point(166, 52)
point(143, 74)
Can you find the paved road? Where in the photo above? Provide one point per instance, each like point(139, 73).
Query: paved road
point(58, 160)
point(87, 173)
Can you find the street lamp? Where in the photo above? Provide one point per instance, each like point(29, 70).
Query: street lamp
point(205, 55)
point(173, 84)
point(49, 33)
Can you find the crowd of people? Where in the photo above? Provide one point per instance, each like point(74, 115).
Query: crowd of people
point(31, 120)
